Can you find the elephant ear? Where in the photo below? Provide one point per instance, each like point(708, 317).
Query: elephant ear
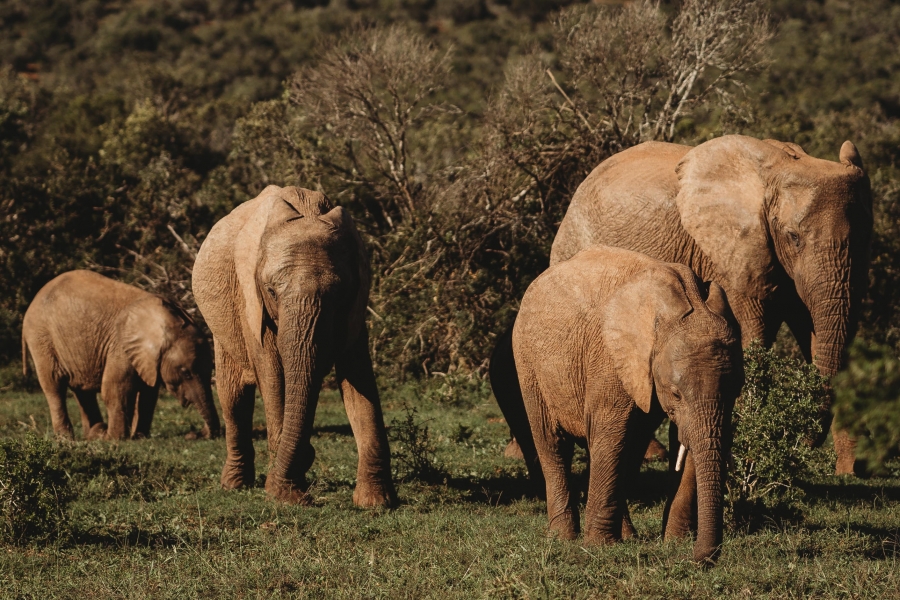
point(632, 321)
point(359, 258)
point(246, 257)
point(722, 199)
point(717, 302)
point(144, 335)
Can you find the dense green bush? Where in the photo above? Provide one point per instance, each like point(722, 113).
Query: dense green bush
point(775, 419)
point(867, 401)
point(34, 492)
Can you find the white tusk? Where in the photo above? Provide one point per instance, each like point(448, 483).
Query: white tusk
point(681, 452)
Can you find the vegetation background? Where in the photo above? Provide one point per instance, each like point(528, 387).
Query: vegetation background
point(455, 131)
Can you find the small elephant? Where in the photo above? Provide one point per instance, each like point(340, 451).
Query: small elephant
point(283, 283)
point(89, 333)
point(785, 234)
point(605, 345)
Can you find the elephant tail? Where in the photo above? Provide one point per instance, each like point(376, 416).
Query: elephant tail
point(24, 357)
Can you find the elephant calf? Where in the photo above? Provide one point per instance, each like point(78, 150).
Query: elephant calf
point(283, 283)
point(89, 333)
point(604, 346)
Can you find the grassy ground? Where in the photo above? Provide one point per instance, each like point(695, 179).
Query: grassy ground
point(151, 521)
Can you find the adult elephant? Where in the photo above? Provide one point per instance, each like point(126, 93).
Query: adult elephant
point(785, 234)
point(283, 282)
point(90, 333)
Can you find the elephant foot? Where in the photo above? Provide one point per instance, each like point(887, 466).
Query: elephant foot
point(845, 448)
point(564, 526)
point(599, 539)
point(656, 452)
point(96, 432)
point(284, 491)
point(371, 495)
point(203, 434)
point(65, 433)
point(628, 530)
point(513, 450)
point(235, 475)
point(677, 529)
point(706, 556)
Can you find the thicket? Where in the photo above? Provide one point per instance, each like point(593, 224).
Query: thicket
point(775, 418)
point(455, 132)
point(34, 492)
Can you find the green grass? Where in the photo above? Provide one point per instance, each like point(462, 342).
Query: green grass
point(151, 521)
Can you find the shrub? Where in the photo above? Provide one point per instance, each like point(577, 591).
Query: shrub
point(34, 492)
point(412, 452)
point(867, 401)
point(775, 419)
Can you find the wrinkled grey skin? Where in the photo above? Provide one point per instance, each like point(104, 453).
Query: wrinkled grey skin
point(604, 346)
point(785, 234)
point(283, 283)
point(89, 333)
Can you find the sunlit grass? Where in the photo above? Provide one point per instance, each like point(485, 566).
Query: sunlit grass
point(151, 521)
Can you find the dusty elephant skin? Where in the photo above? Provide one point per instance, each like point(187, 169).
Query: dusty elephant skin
point(283, 283)
point(785, 234)
point(604, 346)
point(89, 333)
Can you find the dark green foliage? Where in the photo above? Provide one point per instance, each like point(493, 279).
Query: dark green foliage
point(413, 451)
point(867, 401)
point(775, 419)
point(34, 492)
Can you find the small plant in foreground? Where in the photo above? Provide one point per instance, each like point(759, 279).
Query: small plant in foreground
point(412, 452)
point(34, 492)
point(775, 419)
point(867, 401)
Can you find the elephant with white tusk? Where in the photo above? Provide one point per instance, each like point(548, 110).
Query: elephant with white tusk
point(606, 345)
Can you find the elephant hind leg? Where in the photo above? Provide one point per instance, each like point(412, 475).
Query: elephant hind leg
point(54, 386)
point(555, 450)
point(237, 399)
point(92, 425)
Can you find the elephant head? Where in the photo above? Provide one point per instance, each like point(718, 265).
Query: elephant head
point(764, 209)
point(163, 344)
point(670, 343)
point(304, 278)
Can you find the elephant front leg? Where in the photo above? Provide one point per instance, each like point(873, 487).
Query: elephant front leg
point(143, 414)
point(237, 399)
point(119, 392)
point(680, 515)
point(374, 485)
point(606, 517)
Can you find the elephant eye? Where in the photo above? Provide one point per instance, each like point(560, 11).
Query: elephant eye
point(272, 292)
point(186, 373)
point(795, 238)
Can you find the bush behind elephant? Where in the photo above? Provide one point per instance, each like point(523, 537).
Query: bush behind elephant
point(92, 334)
point(605, 345)
point(785, 234)
point(283, 283)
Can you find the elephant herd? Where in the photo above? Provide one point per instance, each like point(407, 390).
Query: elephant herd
point(668, 261)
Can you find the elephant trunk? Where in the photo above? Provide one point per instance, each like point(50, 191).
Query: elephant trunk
point(830, 301)
point(706, 446)
point(304, 335)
